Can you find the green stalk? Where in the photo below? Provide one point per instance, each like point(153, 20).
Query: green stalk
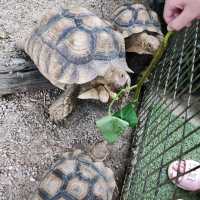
point(152, 66)
point(127, 89)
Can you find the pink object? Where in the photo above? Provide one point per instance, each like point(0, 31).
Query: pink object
point(188, 181)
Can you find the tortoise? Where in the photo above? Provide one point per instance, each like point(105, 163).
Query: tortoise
point(76, 176)
point(80, 54)
point(99, 151)
point(140, 27)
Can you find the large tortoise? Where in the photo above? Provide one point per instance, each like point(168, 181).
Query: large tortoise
point(80, 54)
point(77, 177)
point(140, 27)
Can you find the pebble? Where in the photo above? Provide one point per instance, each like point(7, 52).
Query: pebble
point(3, 35)
point(32, 179)
point(18, 61)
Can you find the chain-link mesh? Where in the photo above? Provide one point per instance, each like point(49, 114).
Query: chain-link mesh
point(169, 117)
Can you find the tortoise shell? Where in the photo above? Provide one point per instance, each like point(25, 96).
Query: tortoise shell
point(74, 47)
point(76, 177)
point(135, 18)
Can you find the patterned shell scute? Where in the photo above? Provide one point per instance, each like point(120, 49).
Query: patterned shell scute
point(76, 177)
point(135, 18)
point(74, 46)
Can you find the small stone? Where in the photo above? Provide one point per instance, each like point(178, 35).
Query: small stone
point(18, 61)
point(3, 35)
point(32, 179)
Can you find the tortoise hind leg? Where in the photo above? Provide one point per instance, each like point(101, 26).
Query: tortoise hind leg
point(64, 105)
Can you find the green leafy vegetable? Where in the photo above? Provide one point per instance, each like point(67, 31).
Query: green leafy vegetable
point(111, 127)
point(128, 114)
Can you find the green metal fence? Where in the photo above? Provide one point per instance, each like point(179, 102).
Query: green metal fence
point(169, 116)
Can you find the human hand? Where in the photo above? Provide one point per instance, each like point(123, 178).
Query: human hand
point(180, 13)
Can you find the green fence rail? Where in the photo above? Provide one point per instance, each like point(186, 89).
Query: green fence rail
point(169, 121)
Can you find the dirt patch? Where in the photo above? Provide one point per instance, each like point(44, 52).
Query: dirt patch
point(29, 142)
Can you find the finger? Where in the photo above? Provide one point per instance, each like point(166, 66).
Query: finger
point(182, 20)
point(189, 24)
point(174, 13)
point(168, 12)
point(172, 9)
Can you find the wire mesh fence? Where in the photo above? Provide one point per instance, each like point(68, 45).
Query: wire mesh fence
point(169, 117)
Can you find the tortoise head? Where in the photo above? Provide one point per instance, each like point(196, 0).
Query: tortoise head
point(117, 78)
point(150, 43)
point(143, 43)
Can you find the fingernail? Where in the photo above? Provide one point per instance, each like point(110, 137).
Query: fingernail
point(170, 28)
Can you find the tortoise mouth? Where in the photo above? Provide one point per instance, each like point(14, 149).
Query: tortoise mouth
point(116, 86)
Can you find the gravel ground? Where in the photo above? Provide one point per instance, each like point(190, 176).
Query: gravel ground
point(29, 142)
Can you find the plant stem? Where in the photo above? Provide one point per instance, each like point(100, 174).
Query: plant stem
point(127, 89)
point(152, 65)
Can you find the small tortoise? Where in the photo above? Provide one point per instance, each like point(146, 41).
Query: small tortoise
point(77, 177)
point(99, 151)
point(139, 26)
point(80, 54)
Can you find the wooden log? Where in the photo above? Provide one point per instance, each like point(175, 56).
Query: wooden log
point(17, 71)
point(21, 76)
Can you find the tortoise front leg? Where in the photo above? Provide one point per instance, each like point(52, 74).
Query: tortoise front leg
point(111, 93)
point(102, 93)
point(64, 105)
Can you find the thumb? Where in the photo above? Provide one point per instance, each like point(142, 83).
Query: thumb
point(181, 20)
